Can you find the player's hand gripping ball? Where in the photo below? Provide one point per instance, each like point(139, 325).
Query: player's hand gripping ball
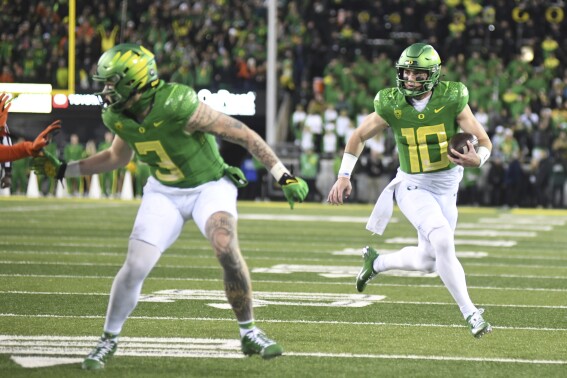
point(458, 142)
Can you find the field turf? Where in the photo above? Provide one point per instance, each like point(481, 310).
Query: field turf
point(58, 258)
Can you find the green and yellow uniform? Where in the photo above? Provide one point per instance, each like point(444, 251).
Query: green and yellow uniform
point(20, 173)
point(108, 180)
point(51, 182)
point(176, 157)
point(422, 136)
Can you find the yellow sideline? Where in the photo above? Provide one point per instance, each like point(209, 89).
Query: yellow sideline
point(558, 212)
point(309, 205)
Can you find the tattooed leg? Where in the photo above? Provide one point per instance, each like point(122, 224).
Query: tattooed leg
point(221, 232)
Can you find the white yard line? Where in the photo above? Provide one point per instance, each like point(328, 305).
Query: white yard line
point(356, 252)
point(40, 351)
point(312, 283)
point(315, 268)
point(429, 358)
point(280, 321)
point(276, 298)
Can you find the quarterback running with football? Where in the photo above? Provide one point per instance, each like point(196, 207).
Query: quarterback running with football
point(423, 113)
point(168, 128)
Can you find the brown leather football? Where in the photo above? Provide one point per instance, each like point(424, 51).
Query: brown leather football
point(458, 142)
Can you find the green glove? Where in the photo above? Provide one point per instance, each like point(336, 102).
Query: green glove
point(236, 175)
point(294, 188)
point(48, 165)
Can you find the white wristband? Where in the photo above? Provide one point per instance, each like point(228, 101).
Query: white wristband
point(73, 169)
point(278, 170)
point(483, 153)
point(347, 165)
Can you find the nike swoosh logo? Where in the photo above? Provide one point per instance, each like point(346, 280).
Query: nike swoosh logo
point(290, 181)
point(438, 110)
point(156, 124)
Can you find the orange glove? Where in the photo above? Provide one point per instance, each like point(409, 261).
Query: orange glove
point(4, 107)
point(25, 149)
point(43, 139)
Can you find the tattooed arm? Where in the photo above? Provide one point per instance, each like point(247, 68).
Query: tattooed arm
point(208, 120)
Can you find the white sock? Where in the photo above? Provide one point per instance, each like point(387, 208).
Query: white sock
point(408, 258)
point(246, 327)
point(128, 282)
point(450, 269)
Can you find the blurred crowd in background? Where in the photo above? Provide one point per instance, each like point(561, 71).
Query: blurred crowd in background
point(333, 56)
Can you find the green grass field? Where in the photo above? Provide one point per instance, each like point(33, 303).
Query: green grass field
point(59, 257)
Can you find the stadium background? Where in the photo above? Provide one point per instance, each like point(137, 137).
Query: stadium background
point(511, 55)
point(59, 257)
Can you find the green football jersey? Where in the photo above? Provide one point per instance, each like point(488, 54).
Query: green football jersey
point(422, 136)
point(73, 152)
point(175, 157)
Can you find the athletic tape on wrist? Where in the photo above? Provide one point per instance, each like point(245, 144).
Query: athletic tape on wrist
point(347, 165)
point(73, 169)
point(278, 170)
point(483, 153)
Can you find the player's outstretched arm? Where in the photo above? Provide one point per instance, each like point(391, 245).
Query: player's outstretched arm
point(208, 120)
point(116, 156)
point(25, 149)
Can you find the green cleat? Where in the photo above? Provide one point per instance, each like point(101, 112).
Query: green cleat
point(478, 325)
point(105, 349)
point(256, 342)
point(367, 272)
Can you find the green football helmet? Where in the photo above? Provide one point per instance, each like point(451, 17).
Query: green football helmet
point(423, 57)
point(131, 69)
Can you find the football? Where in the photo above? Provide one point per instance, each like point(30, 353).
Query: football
point(458, 142)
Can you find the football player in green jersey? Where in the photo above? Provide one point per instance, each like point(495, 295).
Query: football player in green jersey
point(168, 128)
point(423, 113)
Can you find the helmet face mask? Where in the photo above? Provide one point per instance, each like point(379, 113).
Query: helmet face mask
point(126, 69)
point(109, 96)
point(418, 57)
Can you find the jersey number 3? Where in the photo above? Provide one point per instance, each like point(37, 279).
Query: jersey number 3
point(165, 163)
point(418, 149)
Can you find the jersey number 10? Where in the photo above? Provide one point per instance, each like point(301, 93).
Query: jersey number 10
point(419, 149)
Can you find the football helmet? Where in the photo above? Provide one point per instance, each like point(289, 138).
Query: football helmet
point(423, 57)
point(130, 68)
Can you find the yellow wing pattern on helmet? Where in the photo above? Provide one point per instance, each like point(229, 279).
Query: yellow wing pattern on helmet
point(138, 64)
